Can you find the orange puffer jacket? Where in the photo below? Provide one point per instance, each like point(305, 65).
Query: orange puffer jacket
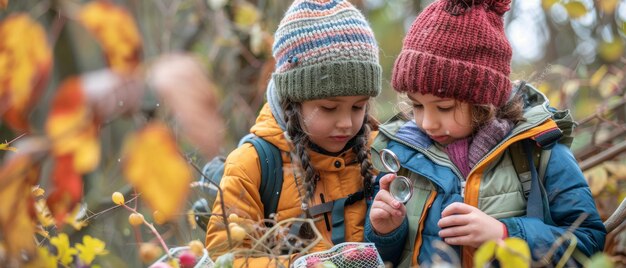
point(339, 177)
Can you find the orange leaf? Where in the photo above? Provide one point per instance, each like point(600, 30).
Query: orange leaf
point(68, 188)
point(154, 165)
point(4, 3)
point(181, 83)
point(25, 61)
point(71, 127)
point(17, 226)
point(116, 31)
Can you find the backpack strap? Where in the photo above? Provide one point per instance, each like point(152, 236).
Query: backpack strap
point(271, 173)
point(338, 231)
point(537, 205)
point(336, 207)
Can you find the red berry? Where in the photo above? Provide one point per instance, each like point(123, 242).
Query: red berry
point(187, 260)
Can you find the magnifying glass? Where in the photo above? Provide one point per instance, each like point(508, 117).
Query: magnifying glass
point(401, 188)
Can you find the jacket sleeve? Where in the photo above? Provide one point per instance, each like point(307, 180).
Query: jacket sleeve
point(389, 246)
point(569, 198)
point(240, 189)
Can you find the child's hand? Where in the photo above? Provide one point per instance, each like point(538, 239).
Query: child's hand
point(465, 225)
point(386, 213)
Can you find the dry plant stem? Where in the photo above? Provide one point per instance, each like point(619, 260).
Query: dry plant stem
point(568, 252)
point(570, 231)
point(154, 231)
point(221, 194)
point(14, 139)
point(285, 222)
point(599, 158)
point(617, 218)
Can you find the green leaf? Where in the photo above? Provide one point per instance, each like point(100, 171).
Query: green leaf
point(485, 254)
point(515, 253)
point(600, 260)
point(576, 9)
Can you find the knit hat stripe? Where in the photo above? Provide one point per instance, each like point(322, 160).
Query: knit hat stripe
point(313, 9)
point(336, 37)
point(302, 30)
point(323, 54)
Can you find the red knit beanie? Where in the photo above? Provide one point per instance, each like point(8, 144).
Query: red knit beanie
point(457, 49)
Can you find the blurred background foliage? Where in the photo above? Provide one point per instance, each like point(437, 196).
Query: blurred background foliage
point(572, 50)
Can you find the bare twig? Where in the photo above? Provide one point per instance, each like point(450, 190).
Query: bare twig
point(559, 241)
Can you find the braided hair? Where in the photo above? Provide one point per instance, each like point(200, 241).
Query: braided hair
point(300, 141)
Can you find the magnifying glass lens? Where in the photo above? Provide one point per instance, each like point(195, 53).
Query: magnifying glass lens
point(401, 189)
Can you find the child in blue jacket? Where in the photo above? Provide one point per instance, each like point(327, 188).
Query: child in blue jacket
point(458, 149)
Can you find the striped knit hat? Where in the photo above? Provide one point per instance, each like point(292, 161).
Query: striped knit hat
point(457, 49)
point(324, 48)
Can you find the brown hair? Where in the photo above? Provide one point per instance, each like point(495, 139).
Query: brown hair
point(300, 141)
point(512, 111)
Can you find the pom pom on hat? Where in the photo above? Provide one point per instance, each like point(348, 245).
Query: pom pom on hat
point(458, 7)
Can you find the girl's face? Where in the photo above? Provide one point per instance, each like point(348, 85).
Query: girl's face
point(330, 123)
point(444, 120)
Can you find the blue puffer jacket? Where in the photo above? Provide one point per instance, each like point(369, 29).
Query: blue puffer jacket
point(493, 186)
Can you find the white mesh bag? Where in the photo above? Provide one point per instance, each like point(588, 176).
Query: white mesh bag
point(348, 255)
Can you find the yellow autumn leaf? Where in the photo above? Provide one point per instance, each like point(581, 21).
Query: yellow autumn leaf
point(44, 259)
point(90, 248)
point(514, 253)
point(25, 62)
point(65, 253)
point(597, 178)
point(575, 9)
point(617, 169)
point(485, 254)
point(598, 75)
point(246, 14)
point(611, 51)
point(609, 86)
point(547, 4)
point(116, 31)
point(6, 147)
point(16, 225)
point(154, 165)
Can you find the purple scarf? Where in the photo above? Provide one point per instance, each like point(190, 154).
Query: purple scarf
point(465, 153)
